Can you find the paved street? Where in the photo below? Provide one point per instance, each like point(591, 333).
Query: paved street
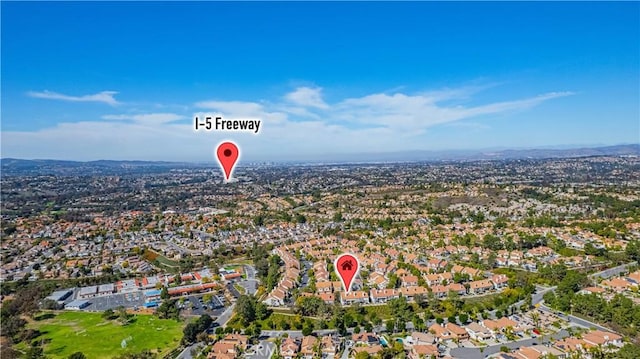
point(224, 317)
point(575, 320)
point(186, 353)
point(611, 272)
point(234, 292)
point(477, 353)
point(264, 350)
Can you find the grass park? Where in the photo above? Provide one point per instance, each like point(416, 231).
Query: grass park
point(67, 332)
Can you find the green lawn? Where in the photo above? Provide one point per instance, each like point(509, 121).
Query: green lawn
point(70, 332)
point(167, 262)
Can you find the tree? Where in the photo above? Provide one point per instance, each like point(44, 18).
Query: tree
point(77, 355)
point(368, 327)
point(246, 309)
point(207, 298)
point(310, 306)
point(307, 329)
point(35, 352)
point(390, 325)
point(258, 220)
point(122, 314)
point(164, 293)
point(191, 330)
point(51, 304)
point(535, 316)
point(262, 311)
point(168, 309)
point(401, 325)
point(254, 330)
point(491, 260)
point(363, 355)
point(108, 314)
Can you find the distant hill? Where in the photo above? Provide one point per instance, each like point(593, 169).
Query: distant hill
point(12, 166)
point(476, 155)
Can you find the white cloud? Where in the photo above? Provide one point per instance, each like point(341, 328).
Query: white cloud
point(149, 118)
point(307, 97)
point(377, 122)
point(104, 97)
point(422, 111)
point(232, 107)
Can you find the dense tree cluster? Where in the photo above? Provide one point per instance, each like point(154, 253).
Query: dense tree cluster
point(168, 310)
point(248, 309)
point(267, 267)
point(619, 313)
point(192, 330)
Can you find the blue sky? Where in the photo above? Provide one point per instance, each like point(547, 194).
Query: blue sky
point(102, 80)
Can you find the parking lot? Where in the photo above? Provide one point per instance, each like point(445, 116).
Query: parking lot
point(191, 305)
point(195, 305)
point(127, 300)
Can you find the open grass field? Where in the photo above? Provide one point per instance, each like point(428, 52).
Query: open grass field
point(69, 332)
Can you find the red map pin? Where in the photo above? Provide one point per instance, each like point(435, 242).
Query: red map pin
point(227, 153)
point(347, 267)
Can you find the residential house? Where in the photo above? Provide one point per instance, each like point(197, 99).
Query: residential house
point(411, 292)
point(353, 297)
point(289, 348)
point(324, 287)
point(409, 281)
point(329, 346)
point(480, 286)
point(276, 298)
point(422, 351)
point(328, 298)
point(601, 338)
point(442, 334)
point(478, 332)
point(309, 347)
point(383, 295)
point(458, 332)
point(365, 339)
point(417, 338)
point(500, 281)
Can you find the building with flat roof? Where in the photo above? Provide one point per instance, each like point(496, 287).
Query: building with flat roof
point(88, 292)
point(77, 304)
point(60, 295)
point(105, 289)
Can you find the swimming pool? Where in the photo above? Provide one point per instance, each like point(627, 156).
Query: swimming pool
point(383, 341)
